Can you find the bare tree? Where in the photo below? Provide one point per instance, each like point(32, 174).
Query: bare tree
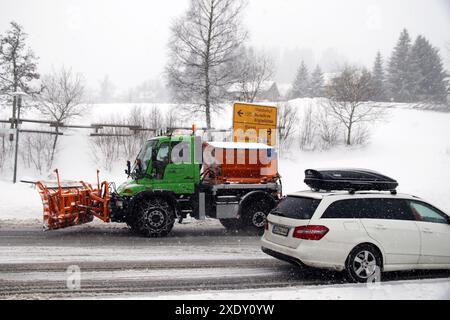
point(348, 94)
point(156, 118)
point(327, 127)
point(120, 143)
point(115, 144)
point(287, 121)
point(307, 129)
point(37, 151)
point(252, 70)
point(105, 151)
point(172, 118)
point(62, 98)
point(203, 41)
point(18, 64)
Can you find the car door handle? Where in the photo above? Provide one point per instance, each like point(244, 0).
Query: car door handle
point(380, 227)
point(427, 231)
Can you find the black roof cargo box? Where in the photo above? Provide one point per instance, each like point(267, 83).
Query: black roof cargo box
point(349, 179)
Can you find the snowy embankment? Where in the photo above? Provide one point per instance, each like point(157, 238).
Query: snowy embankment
point(410, 145)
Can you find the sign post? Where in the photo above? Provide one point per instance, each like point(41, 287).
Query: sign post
point(255, 123)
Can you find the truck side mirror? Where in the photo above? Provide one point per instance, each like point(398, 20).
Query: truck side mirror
point(139, 165)
point(128, 170)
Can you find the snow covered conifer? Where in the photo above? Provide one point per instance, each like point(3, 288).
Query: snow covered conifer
point(18, 63)
point(317, 82)
point(378, 78)
point(400, 78)
point(428, 72)
point(301, 85)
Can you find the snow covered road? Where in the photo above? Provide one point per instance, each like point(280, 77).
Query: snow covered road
point(199, 258)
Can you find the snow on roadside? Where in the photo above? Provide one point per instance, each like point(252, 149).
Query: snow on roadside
point(438, 289)
point(19, 202)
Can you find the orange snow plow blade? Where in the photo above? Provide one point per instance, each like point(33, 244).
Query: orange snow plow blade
point(71, 203)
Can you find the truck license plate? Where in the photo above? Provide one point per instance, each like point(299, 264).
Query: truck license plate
point(280, 230)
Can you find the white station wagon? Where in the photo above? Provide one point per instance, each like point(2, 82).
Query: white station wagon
point(359, 232)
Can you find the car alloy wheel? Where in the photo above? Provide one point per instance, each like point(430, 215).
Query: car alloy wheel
point(364, 264)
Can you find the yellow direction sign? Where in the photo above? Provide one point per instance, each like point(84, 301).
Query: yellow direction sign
point(255, 123)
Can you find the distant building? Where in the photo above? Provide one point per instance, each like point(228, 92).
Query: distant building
point(268, 91)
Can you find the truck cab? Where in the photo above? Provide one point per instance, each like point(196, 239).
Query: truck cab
point(155, 168)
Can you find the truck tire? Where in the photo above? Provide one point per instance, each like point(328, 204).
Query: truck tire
point(254, 214)
point(152, 217)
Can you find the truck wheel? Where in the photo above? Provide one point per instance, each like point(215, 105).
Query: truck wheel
point(152, 217)
point(255, 214)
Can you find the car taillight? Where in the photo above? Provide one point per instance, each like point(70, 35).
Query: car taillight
point(310, 232)
point(266, 225)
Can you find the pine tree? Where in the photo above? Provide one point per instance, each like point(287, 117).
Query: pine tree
point(300, 87)
point(428, 72)
point(18, 64)
point(400, 77)
point(379, 79)
point(317, 83)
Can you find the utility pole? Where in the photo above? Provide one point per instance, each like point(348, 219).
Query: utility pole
point(18, 98)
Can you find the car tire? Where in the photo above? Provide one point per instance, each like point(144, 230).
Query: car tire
point(152, 217)
point(363, 264)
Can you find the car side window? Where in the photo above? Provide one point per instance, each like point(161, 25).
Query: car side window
point(426, 213)
point(390, 209)
point(370, 208)
point(344, 209)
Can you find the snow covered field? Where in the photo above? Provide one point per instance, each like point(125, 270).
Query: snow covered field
point(410, 145)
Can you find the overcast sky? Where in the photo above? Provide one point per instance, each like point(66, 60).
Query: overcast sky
point(126, 39)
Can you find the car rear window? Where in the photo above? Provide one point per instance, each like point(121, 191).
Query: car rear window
point(297, 208)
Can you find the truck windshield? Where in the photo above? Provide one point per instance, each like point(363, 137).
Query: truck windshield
point(145, 156)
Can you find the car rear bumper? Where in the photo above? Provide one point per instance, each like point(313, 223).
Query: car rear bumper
point(283, 257)
point(308, 254)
